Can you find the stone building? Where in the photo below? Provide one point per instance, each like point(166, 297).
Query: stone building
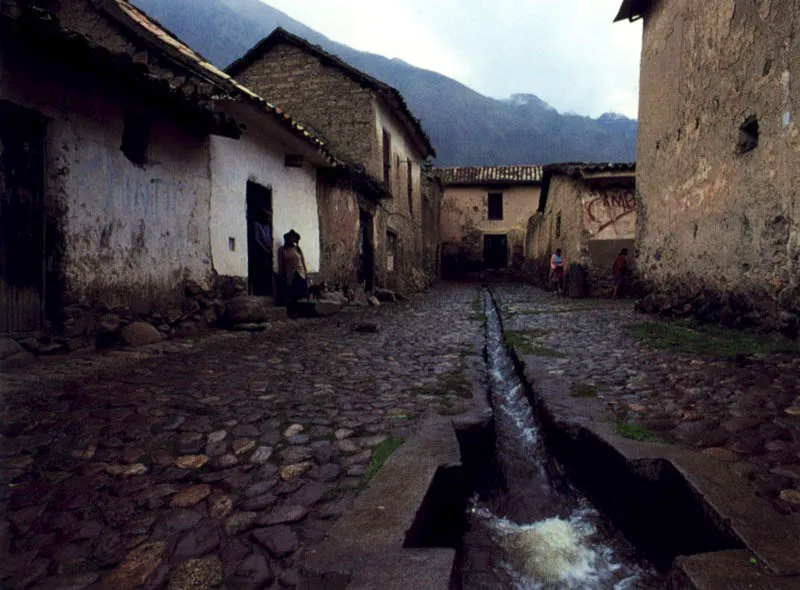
point(589, 212)
point(719, 143)
point(370, 230)
point(484, 218)
point(110, 131)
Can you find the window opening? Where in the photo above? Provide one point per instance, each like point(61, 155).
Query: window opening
point(748, 135)
point(495, 205)
point(387, 156)
point(136, 138)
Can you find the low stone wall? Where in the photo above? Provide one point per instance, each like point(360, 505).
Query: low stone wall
point(736, 309)
point(97, 324)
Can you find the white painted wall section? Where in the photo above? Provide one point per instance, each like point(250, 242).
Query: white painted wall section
point(259, 157)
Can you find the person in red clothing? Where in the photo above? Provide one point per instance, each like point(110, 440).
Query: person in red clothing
point(620, 272)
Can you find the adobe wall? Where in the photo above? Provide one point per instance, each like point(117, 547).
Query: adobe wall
point(340, 206)
point(321, 96)
point(598, 219)
point(123, 234)
point(564, 200)
point(465, 220)
point(713, 217)
point(406, 273)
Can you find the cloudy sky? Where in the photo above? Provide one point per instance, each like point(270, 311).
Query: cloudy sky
point(567, 52)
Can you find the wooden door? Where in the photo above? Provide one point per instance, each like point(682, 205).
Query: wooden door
point(21, 219)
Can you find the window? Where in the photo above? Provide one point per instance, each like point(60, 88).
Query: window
point(232, 244)
point(136, 137)
point(410, 188)
point(748, 135)
point(387, 156)
point(293, 161)
point(558, 225)
point(495, 205)
point(397, 166)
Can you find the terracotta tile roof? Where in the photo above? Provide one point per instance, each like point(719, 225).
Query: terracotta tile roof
point(485, 175)
point(170, 67)
point(391, 94)
point(229, 87)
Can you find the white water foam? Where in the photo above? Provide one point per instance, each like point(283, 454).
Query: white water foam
point(555, 553)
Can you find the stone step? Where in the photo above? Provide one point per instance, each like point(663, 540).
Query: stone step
point(251, 309)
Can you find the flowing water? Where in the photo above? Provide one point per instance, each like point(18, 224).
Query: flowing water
point(534, 530)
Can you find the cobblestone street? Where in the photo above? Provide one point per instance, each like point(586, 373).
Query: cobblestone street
point(191, 462)
point(744, 411)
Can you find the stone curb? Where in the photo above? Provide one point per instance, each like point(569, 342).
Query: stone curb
point(775, 540)
point(365, 548)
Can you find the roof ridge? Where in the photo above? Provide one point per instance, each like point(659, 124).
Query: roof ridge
point(392, 93)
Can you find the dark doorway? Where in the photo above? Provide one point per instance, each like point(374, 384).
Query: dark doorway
point(495, 251)
point(22, 135)
point(259, 239)
point(366, 252)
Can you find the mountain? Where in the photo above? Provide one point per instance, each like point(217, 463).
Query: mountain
point(466, 128)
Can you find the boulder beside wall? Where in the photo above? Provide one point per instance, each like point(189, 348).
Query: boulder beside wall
point(139, 334)
point(251, 309)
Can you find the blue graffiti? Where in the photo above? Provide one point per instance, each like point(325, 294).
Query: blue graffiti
point(134, 192)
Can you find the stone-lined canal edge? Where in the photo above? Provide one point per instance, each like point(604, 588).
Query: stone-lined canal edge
point(773, 540)
point(365, 549)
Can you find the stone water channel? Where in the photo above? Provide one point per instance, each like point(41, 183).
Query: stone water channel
point(528, 527)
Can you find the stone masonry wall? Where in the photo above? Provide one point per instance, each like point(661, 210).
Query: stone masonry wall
point(719, 213)
point(321, 96)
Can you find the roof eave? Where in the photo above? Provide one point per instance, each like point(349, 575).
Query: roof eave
point(632, 10)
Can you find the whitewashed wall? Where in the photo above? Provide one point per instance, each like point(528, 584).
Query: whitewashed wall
point(259, 157)
point(129, 233)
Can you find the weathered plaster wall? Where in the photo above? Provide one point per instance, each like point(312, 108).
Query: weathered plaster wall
point(465, 220)
point(609, 213)
point(711, 216)
point(259, 157)
point(564, 199)
point(404, 216)
point(128, 234)
point(340, 207)
point(319, 95)
point(432, 194)
point(598, 219)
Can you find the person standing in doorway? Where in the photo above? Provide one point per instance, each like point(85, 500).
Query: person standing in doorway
point(262, 232)
point(292, 268)
point(620, 272)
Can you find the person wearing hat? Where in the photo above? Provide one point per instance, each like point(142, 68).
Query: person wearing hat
point(292, 267)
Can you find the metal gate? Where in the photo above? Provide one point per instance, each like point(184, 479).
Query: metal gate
point(21, 219)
